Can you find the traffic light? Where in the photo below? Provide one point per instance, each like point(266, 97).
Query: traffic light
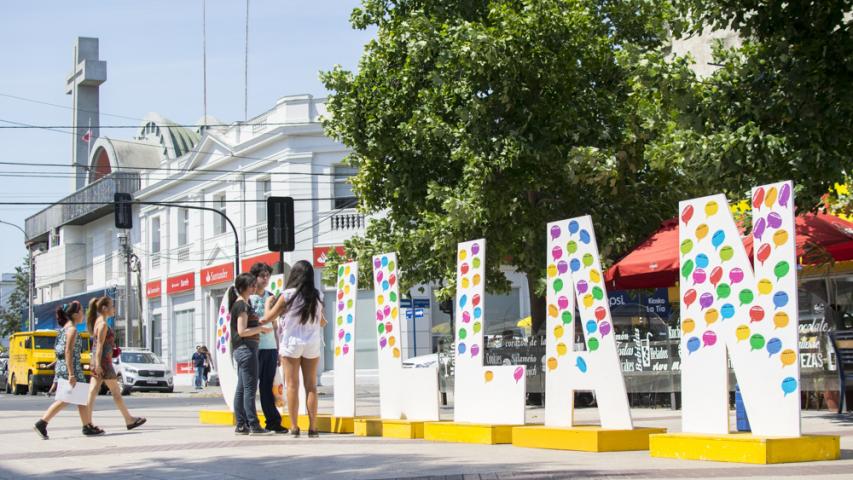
point(123, 210)
point(280, 235)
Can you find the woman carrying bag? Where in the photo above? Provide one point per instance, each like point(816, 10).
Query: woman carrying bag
point(68, 349)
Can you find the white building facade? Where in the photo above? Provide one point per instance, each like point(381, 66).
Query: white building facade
point(189, 254)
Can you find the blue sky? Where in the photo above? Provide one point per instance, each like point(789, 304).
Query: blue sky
point(153, 51)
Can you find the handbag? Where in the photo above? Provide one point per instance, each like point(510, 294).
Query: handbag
point(116, 352)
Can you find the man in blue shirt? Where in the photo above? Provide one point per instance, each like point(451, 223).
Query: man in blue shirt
point(267, 350)
point(198, 363)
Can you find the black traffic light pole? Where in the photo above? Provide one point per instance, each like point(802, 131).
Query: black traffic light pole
point(120, 202)
point(279, 223)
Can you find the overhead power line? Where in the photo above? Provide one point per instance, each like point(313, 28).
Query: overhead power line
point(15, 126)
point(151, 145)
point(165, 203)
point(177, 170)
point(66, 107)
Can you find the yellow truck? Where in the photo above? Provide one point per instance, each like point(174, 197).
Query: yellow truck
point(31, 361)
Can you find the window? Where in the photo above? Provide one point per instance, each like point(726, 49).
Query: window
point(219, 224)
point(155, 235)
point(183, 226)
point(184, 344)
point(45, 343)
point(344, 197)
point(263, 192)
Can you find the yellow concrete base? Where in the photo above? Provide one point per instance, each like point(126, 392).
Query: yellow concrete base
point(368, 427)
point(468, 433)
point(325, 423)
point(745, 448)
point(583, 438)
point(377, 427)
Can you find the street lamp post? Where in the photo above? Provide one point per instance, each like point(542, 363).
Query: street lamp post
point(32, 278)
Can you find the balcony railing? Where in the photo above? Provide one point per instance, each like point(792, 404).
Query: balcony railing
point(92, 201)
point(347, 221)
point(261, 233)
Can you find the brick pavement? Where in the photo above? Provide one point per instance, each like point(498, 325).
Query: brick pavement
point(173, 445)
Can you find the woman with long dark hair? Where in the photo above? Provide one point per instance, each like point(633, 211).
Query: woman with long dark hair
point(245, 337)
point(103, 344)
point(68, 350)
point(301, 340)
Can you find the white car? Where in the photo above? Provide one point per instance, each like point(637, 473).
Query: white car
point(424, 361)
point(140, 369)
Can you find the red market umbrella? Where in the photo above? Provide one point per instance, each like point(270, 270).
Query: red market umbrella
point(817, 232)
point(654, 262)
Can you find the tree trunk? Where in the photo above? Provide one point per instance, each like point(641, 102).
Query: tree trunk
point(537, 304)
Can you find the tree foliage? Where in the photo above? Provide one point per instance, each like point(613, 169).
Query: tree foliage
point(12, 316)
point(781, 105)
point(471, 119)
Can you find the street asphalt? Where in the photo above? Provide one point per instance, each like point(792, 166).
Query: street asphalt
point(173, 445)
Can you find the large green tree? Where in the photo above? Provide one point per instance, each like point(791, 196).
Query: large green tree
point(781, 104)
point(490, 118)
point(12, 315)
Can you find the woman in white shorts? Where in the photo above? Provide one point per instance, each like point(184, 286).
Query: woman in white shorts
point(300, 333)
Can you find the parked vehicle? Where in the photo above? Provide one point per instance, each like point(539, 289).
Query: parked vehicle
point(140, 369)
point(4, 375)
point(31, 359)
point(423, 361)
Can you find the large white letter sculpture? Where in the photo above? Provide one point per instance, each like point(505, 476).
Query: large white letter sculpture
point(224, 362)
point(410, 394)
point(574, 271)
point(344, 403)
point(725, 306)
point(494, 394)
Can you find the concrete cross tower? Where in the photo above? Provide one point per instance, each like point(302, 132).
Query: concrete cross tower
point(82, 84)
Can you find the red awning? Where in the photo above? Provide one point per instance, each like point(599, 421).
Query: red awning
point(654, 263)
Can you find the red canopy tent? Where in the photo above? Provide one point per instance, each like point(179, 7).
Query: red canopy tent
point(654, 262)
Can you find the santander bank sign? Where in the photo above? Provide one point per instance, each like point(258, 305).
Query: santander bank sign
point(217, 274)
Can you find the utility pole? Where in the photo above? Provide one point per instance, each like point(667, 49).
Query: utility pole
point(32, 280)
point(124, 243)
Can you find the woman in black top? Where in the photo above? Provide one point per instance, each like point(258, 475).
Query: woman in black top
point(245, 336)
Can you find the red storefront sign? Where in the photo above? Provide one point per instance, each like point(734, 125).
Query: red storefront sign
point(321, 252)
point(153, 289)
point(180, 283)
point(184, 367)
point(269, 258)
point(218, 274)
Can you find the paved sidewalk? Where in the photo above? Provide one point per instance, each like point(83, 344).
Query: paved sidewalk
point(173, 445)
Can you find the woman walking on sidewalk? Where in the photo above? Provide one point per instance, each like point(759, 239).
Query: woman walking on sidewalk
point(245, 336)
point(301, 340)
point(68, 349)
point(103, 344)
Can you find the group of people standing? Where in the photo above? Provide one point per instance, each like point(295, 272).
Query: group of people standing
point(68, 366)
point(268, 331)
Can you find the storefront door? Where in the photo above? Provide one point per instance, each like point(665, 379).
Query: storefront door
point(157, 334)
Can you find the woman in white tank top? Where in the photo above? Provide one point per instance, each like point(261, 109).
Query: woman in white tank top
point(300, 329)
